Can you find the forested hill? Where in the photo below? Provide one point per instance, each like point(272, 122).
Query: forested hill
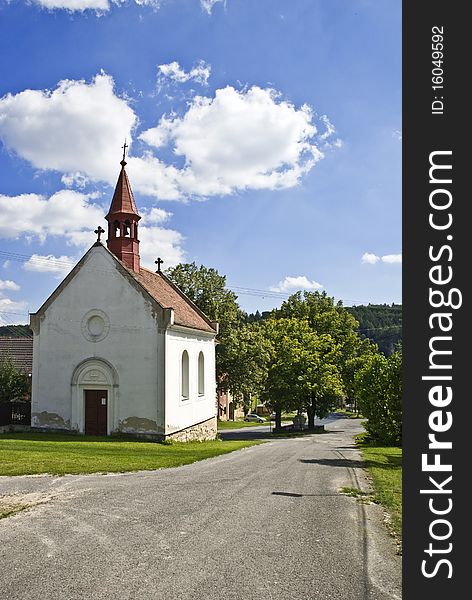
point(15, 331)
point(382, 323)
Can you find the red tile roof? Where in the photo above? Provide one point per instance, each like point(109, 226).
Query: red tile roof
point(123, 199)
point(20, 350)
point(168, 295)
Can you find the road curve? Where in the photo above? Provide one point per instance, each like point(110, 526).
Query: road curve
point(263, 523)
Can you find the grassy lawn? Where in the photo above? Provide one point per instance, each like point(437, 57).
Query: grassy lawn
point(384, 465)
point(241, 423)
point(7, 510)
point(349, 414)
point(33, 453)
point(238, 424)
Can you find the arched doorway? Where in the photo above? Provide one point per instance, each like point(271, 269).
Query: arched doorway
point(94, 397)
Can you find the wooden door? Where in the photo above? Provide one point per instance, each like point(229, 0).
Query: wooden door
point(96, 402)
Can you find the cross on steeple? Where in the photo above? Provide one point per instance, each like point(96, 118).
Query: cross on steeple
point(125, 145)
point(159, 262)
point(99, 232)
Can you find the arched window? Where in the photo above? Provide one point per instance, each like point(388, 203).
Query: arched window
point(127, 228)
point(201, 374)
point(116, 228)
point(185, 367)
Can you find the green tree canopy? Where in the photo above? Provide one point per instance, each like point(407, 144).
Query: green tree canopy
point(378, 387)
point(325, 316)
point(14, 383)
point(303, 371)
point(207, 288)
point(244, 360)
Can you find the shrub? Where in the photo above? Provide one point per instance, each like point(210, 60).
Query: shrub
point(14, 383)
point(378, 387)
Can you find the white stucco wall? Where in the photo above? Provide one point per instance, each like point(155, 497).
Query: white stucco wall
point(135, 359)
point(128, 362)
point(182, 413)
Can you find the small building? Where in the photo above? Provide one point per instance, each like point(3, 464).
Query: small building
point(228, 408)
point(19, 350)
point(119, 348)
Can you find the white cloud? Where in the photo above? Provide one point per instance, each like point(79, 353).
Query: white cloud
point(78, 128)
point(370, 259)
point(155, 215)
point(329, 127)
point(75, 5)
point(208, 5)
point(7, 305)
point(392, 258)
point(65, 213)
point(397, 134)
point(296, 283)
point(238, 140)
point(9, 285)
point(99, 6)
point(152, 177)
point(57, 265)
point(73, 215)
point(75, 180)
point(173, 71)
point(157, 241)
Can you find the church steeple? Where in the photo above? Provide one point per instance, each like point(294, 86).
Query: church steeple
point(123, 222)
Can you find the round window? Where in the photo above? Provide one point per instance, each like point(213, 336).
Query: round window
point(95, 325)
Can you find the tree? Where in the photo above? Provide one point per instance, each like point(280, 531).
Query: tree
point(14, 383)
point(359, 357)
point(302, 372)
point(378, 386)
point(244, 359)
point(382, 323)
point(325, 316)
point(207, 288)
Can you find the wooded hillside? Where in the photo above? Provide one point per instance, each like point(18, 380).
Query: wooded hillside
point(382, 323)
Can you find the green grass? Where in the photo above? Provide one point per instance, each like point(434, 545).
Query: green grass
point(357, 493)
point(349, 414)
point(238, 424)
point(241, 423)
point(34, 453)
point(6, 510)
point(384, 465)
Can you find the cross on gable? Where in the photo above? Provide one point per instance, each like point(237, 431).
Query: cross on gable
point(159, 262)
point(99, 232)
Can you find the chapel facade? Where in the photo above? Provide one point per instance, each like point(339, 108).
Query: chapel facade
point(118, 348)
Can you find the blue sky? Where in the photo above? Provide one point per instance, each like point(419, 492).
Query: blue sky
point(265, 141)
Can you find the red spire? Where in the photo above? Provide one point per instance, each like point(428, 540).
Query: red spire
point(123, 220)
point(123, 199)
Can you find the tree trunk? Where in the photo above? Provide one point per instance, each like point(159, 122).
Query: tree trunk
point(278, 418)
point(311, 412)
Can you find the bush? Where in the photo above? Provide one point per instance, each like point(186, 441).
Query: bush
point(378, 387)
point(14, 383)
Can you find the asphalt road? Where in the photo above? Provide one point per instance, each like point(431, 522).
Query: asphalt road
point(265, 523)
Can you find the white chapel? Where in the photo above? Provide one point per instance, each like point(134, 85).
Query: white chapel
point(120, 349)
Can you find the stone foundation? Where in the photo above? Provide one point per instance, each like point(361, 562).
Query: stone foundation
point(196, 433)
